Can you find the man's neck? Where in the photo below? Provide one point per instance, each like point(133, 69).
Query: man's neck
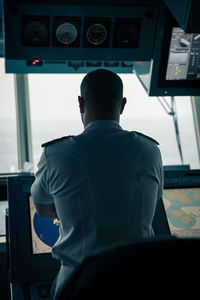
point(88, 121)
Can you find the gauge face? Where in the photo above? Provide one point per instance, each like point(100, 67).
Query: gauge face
point(96, 34)
point(127, 34)
point(66, 33)
point(36, 33)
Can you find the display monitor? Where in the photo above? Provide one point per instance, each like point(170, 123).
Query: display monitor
point(175, 66)
point(182, 207)
point(179, 63)
point(30, 237)
point(184, 56)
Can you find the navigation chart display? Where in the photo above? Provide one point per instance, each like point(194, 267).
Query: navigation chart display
point(184, 56)
point(44, 231)
point(183, 211)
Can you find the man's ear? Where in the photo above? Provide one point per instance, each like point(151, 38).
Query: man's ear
point(123, 105)
point(81, 104)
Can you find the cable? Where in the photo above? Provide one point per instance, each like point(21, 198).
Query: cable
point(171, 110)
point(175, 119)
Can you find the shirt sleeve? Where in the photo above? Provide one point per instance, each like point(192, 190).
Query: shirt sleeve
point(151, 164)
point(40, 189)
point(161, 181)
point(151, 180)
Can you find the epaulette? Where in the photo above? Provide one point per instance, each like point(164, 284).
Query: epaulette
point(56, 140)
point(147, 137)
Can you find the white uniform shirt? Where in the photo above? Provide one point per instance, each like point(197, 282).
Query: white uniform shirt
point(104, 183)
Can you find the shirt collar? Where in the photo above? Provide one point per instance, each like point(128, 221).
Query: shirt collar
point(103, 124)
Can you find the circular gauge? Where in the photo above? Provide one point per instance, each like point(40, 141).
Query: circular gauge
point(36, 33)
point(127, 34)
point(66, 33)
point(96, 34)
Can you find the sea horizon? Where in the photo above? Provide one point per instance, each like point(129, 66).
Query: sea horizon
point(46, 130)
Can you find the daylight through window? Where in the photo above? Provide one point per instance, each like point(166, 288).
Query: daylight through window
point(8, 134)
point(55, 113)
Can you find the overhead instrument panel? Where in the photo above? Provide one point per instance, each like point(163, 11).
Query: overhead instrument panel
point(63, 32)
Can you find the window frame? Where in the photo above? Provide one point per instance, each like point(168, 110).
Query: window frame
point(23, 119)
point(195, 102)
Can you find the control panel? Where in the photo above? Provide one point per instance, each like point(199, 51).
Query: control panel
point(65, 66)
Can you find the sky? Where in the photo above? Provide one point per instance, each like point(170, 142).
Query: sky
point(57, 95)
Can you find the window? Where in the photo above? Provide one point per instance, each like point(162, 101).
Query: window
point(54, 108)
point(55, 113)
point(8, 140)
point(145, 114)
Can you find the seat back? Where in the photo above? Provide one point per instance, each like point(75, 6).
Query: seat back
point(155, 268)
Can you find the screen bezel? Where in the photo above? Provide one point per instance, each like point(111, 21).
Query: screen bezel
point(24, 265)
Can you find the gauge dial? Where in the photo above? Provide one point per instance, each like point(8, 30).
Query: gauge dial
point(127, 33)
point(36, 33)
point(96, 34)
point(66, 33)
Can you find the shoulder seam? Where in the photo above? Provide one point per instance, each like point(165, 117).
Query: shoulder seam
point(146, 136)
point(55, 141)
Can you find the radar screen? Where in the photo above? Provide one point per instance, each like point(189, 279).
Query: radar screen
point(184, 56)
point(44, 231)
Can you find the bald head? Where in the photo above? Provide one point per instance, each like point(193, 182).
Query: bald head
point(102, 93)
point(102, 85)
